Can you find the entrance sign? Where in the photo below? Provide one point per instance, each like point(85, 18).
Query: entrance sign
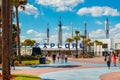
point(53, 45)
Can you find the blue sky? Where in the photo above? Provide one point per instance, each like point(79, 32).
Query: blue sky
point(38, 13)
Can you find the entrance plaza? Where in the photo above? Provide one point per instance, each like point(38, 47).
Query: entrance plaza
point(74, 69)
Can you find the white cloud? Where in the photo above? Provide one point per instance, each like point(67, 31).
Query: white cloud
point(35, 33)
point(30, 31)
point(60, 5)
point(97, 34)
point(22, 38)
point(98, 11)
point(39, 37)
point(30, 10)
point(114, 32)
point(54, 38)
point(63, 28)
point(99, 22)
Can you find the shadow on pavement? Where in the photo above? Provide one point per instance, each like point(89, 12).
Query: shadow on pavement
point(48, 79)
point(67, 66)
point(59, 66)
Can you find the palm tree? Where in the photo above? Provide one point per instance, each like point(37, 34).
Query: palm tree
point(96, 43)
point(76, 38)
point(17, 4)
point(14, 35)
point(83, 42)
point(69, 40)
point(87, 41)
point(100, 44)
point(6, 39)
point(90, 44)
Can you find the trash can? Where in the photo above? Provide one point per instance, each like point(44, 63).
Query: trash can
point(44, 60)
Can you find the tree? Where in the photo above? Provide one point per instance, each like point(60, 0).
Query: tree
point(96, 43)
point(87, 41)
point(100, 44)
point(17, 4)
point(83, 42)
point(14, 35)
point(6, 38)
point(29, 42)
point(76, 38)
point(91, 44)
point(0, 37)
point(69, 40)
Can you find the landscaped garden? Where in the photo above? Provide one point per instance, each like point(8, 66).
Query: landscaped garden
point(30, 60)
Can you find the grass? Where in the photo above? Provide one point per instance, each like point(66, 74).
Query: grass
point(25, 77)
point(30, 62)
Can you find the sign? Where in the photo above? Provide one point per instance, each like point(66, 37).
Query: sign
point(52, 45)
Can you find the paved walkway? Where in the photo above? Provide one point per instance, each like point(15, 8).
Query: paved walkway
point(81, 74)
point(78, 74)
point(73, 70)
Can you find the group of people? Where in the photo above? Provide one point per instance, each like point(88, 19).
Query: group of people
point(59, 58)
point(109, 58)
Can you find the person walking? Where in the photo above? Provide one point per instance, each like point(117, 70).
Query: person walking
point(66, 58)
point(54, 58)
point(58, 57)
point(114, 59)
point(108, 59)
point(62, 58)
point(119, 59)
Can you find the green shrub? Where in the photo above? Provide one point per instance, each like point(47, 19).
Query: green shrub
point(29, 57)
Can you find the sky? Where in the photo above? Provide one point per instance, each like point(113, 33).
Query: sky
point(39, 13)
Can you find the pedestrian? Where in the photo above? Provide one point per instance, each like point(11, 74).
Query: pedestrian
point(114, 59)
point(54, 58)
point(119, 58)
point(108, 60)
point(13, 64)
point(105, 56)
point(62, 58)
point(58, 57)
point(66, 58)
